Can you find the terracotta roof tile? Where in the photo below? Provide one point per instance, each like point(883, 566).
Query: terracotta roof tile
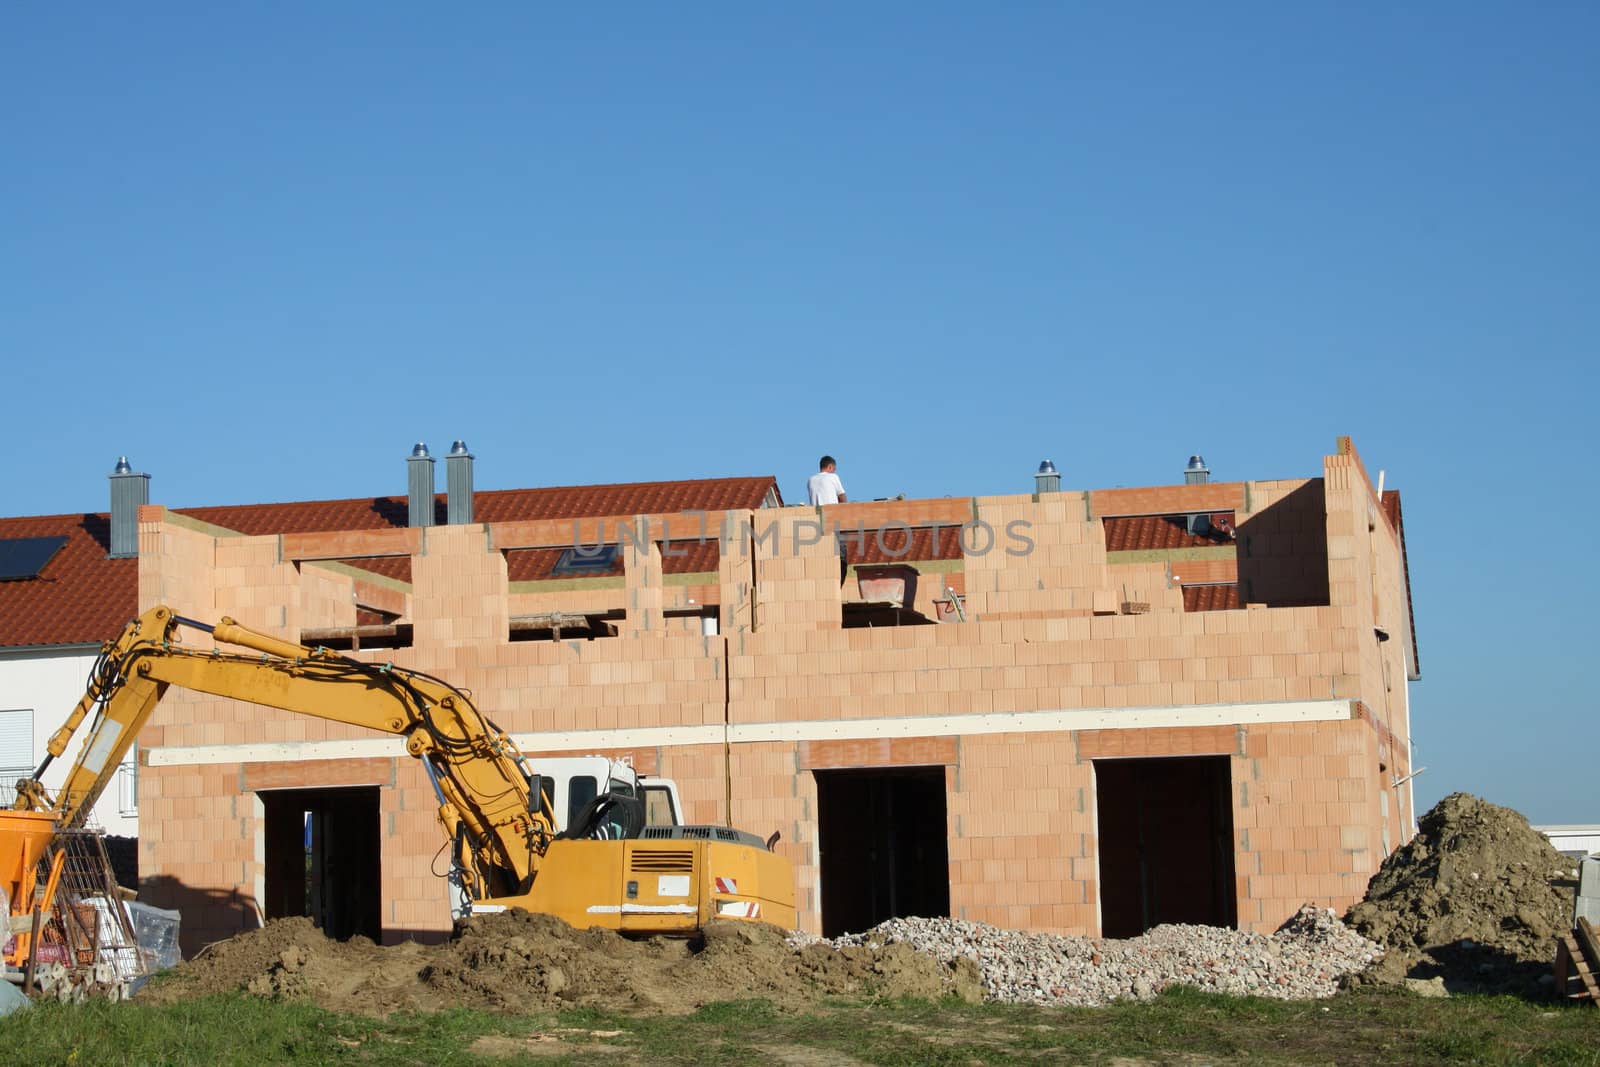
point(1142, 533)
point(889, 545)
point(79, 597)
point(396, 567)
point(1211, 597)
point(499, 505)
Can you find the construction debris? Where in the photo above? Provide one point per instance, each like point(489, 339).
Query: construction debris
point(1474, 902)
point(521, 962)
point(1305, 959)
point(1476, 899)
point(1577, 968)
point(83, 944)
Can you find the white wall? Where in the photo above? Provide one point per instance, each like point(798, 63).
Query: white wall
point(1580, 839)
point(51, 683)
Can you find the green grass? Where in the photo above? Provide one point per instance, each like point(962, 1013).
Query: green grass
point(1182, 1025)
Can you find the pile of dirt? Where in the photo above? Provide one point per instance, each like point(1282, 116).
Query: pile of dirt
point(523, 963)
point(1475, 899)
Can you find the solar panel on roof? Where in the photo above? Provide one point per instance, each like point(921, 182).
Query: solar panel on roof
point(576, 561)
point(25, 557)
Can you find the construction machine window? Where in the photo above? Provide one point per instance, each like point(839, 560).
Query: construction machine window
point(580, 790)
point(658, 807)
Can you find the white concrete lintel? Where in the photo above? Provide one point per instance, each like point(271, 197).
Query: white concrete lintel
point(810, 730)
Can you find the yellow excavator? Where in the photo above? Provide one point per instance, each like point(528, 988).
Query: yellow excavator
point(606, 868)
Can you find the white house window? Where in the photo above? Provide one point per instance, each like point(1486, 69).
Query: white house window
point(16, 750)
point(128, 783)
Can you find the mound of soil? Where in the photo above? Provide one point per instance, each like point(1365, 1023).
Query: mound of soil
point(1475, 899)
point(523, 963)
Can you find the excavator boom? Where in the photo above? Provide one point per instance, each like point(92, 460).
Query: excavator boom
point(505, 850)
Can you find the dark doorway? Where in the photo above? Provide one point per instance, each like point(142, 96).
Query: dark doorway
point(322, 859)
point(884, 854)
point(1166, 843)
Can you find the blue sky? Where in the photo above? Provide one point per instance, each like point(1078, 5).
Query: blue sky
point(263, 249)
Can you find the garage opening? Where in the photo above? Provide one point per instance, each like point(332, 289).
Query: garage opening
point(322, 859)
point(884, 851)
point(1166, 843)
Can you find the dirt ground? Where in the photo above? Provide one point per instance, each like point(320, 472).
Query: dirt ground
point(522, 962)
point(1475, 900)
point(1470, 904)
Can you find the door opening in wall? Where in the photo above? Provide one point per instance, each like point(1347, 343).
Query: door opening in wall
point(1165, 843)
point(884, 846)
point(322, 859)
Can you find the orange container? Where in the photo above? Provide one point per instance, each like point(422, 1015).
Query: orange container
point(24, 835)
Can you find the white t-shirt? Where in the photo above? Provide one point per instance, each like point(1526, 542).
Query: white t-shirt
point(824, 487)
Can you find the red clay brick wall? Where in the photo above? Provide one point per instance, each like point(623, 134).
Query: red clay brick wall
point(1022, 854)
point(1305, 819)
point(1310, 820)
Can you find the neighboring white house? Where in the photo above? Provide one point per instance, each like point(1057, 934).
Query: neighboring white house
point(1574, 840)
point(68, 583)
point(37, 691)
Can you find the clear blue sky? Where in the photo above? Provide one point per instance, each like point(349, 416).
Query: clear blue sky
point(262, 249)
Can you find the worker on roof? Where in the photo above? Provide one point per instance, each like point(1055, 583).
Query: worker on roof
point(824, 486)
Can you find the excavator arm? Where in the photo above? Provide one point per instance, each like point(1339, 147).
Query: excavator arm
point(489, 803)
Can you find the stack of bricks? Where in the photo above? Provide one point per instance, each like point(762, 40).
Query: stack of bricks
point(1306, 818)
point(645, 591)
point(1283, 544)
point(1022, 830)
point(459, 589)
point(1029, 558)
point(176, 560)
point(797, 572)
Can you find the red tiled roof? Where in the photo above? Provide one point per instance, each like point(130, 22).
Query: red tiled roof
point(683, 557)
point(396, 567)
point(889, 545)
point(498, 505)
point(79, 596)
point(1211, 597)
point(1141, 533)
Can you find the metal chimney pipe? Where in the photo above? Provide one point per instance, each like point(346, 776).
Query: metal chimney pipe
point(129, 491)
point(458, 485)
point(1048, 479)
point(1196, 473)
point(419, 496)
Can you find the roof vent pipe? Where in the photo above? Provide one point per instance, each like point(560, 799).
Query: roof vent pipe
point(458, 485)
point(419, 495)
point(1196, 473)
point(1048, 479)
point(129, 492)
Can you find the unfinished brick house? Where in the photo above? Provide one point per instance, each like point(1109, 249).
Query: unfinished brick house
point(1078, 711)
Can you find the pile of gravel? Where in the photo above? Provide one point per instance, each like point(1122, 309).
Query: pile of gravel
point(1307, 958)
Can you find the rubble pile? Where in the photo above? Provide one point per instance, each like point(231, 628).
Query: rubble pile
point(1307, 958)
point(1471, 904)
point(1473, 900)
point(518, 962)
